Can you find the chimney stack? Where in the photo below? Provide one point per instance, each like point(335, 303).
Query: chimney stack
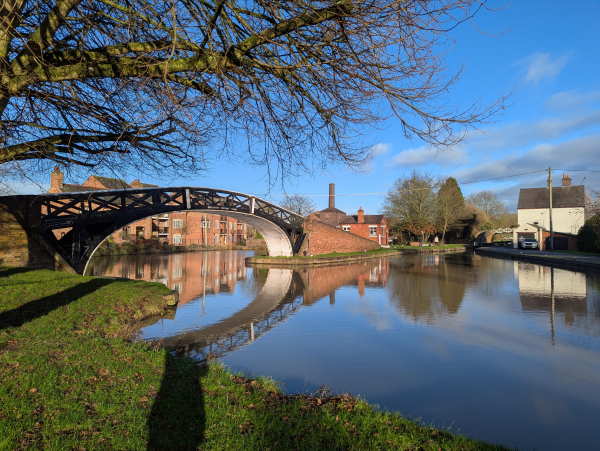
point(332, 195)
point(57, 178)
point(566, 180)
point(361, 215)
point(136, 184)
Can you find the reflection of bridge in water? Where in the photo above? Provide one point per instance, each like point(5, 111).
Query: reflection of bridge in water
point(283, 293)
point(279, 298)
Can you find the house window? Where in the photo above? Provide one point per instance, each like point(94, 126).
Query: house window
point(177, 223)
point(217, 225)
point(177, 239)
point(382, 229)
point(205, 224)
point(372, 230)
point(346, 228)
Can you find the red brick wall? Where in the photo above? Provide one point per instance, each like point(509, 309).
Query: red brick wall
point(363, 230)
point(324, 239)
point(17, 246)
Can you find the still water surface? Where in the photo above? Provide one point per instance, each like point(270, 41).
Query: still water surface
point(505, 351)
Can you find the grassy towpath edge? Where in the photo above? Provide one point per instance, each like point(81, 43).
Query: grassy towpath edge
point(69, 379)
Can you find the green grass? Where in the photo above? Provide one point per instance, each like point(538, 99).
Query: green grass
point(447, 246)
point(69, 379)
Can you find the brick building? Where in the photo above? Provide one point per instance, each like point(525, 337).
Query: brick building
point(371, 227)
point(179, 228)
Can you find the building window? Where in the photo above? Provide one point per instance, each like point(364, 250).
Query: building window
point(217, 225)
point(346, 228)
point(177, 239)
point(177, 223)
point(217, 238)
point(372, 230)
point(205, 224)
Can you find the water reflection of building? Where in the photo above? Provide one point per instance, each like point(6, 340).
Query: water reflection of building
point(552, 290)
point(427, 286)
point(192, 274)
point(324, 281)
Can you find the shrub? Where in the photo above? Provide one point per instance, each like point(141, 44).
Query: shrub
point(588, 237)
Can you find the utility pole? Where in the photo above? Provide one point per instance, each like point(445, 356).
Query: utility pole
point(550, 190)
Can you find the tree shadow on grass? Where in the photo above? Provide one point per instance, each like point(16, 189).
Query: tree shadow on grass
point(7, 271)
point(177, 420)
point(42, 306)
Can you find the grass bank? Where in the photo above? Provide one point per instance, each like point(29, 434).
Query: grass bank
point(69, 379)
point(446, 246)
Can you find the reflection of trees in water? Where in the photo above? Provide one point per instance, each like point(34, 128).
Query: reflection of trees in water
point(426, 287)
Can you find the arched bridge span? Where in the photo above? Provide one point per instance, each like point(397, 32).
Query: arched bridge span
point(91, 217)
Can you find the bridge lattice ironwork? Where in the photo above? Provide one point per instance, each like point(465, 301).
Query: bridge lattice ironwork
point(91, 217)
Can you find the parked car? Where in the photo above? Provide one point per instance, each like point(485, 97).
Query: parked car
point(529, 243)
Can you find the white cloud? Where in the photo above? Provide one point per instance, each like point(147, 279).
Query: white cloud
point(380, 149)
point(423, 156)
point(518, 134)
point(577, 153)
point(572, 99)
point(541, 65)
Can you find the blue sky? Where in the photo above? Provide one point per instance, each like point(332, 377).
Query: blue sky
point(549, 54)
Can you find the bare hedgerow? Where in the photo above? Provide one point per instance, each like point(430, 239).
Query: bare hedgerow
point(290, 85)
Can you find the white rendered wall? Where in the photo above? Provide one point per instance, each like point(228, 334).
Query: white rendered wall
point(566, 220)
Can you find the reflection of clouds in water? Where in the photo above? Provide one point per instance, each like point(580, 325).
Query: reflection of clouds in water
point(380, 319)
point(438, 348)
point(552, 412)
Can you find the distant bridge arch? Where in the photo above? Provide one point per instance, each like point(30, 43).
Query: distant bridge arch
point(92, 217)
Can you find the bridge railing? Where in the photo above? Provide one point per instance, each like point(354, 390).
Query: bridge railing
point(57, 208)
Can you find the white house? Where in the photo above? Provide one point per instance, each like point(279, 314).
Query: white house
point(533, 210)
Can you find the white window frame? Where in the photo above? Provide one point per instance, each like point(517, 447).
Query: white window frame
point(177, 239)
point(372, 231)
point(178, 223)
point(346, 228)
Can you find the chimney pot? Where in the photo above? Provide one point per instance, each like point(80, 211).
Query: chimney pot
point(566, 181)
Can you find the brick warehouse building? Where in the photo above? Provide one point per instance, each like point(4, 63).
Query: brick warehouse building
point(371, 227)
point(180, 228)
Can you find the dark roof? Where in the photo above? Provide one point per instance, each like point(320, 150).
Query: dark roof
point(562, 197)
point(110, 183)
point(369, 219)
point(68, 188)
point(148, 185)
point(332, 210)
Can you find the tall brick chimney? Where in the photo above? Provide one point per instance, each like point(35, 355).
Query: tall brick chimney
point(566, 180)
point(361, 215)
point(332, 195)
point(57, 178)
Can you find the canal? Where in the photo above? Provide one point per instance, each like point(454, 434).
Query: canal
point(504, 351)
